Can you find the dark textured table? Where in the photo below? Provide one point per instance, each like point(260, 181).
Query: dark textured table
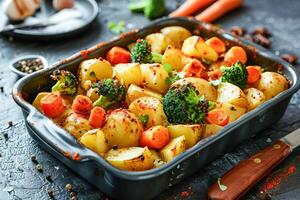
point(20, 180)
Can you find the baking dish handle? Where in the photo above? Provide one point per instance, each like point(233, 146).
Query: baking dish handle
point(57, 137)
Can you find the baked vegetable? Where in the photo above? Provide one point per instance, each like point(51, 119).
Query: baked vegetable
point(234, 112)
point(141, 52)
point(236, 74)
point(66, 82)
point(158, 42)
point(111, 93)
point(235, 54)
point(77, 124)
point(229, 93)
point(95, 140)
point(134, 92)
point(254, 97)
point(82, 105)
point(176, 34)
point(129, 73)
point(97, 117)
point(52, 105)
point(151, 8)
point(211, 129)
point(118, 55)
point(175, 58)
point(175, 147)
point(218, 117)
point(155, 137)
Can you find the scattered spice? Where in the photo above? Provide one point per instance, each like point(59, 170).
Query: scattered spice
point(273, 181)
point(10, 124)
point(5, 136)
point(69, 187)
point(291, 58)
point(29, 66)
point(51, 194)
point(48, 178)
point(39, 167)
point(1, 89)
point(74, 198)
point(261, 40)
point(238, 31)
point(261, 31)
point(33, 159)
point(73, 194)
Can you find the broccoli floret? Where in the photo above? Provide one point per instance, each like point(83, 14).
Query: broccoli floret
point(151, 8)
point(111, 92)
point(184, 105)
point(66, 82)
point(236, 74)
point(141, 52)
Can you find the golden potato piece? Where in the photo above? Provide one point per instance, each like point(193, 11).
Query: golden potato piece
point(175, 58)
point(254, 98)
point(195, 46)
point(211, 129)
point(175, 147)
point(192, 133)
point(234, 112)
point(95, 140)
point(122, 129)
point(176, 34)
point(230, 93)
point(129, 73)
point(151, 107)
point(131, 159)
point(77, 125)
point(134, 92)
point(157, 159)
point(158, 42)
point(37, 101)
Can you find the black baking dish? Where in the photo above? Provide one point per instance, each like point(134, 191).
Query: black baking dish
point(148, 184)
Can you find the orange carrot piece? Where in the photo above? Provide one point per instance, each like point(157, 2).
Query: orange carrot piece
point(52, 105)
point(235, 54)
point(82, 105)
point(218, 9)
point(215, 74)
point(218, 117)
point(189, 7)
point(194, 69)
point(217, 44)
point(253, 74)
point(97, 117)
point(155, 138)
point(118, 55)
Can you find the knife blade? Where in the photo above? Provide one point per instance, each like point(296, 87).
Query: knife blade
point(237, 181)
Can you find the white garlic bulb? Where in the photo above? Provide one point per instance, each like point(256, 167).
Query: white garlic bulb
point(62, 4)
point(20, 9)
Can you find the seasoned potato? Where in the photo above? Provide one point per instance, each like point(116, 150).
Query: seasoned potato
point(175, 147)
point(176, 34)
point(254, 97)
point(195, 46)
point(157, 159)
point(201, 85)
point(271, 84)
point(234, 112)
point(122, 129)
point(92, 93)
point(131, 159)
point(192, 133)
point(95, 140)
point(175, 58)
point(158, 42)
point(150, 107)
point(134, 92)
point(230, 93)
point(155, 77)
point(129, 73)
point(93, 70)
point(37, 101)
point(77, 125)
point(211, 129)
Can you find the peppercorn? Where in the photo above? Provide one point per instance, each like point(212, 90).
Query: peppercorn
point(29, 66)
point(292, 59)
point(48, 178)
point(261, 31)
point(74, 198)
point(238, 31)
point(39, 167)
point(261, 40)
point(69, 187)
point(33, 158)
point(73, 194)
point(51, 194)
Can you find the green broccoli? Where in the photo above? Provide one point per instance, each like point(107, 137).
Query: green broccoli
point(141, 52)
point(184, 105)
point(236, 74)
point(151, 8)
point(111, 92)
point(66, 82)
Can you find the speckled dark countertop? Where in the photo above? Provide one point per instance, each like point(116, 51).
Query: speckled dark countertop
point(18, 176)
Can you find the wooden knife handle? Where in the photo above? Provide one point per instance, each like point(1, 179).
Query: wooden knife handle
point(236, 182)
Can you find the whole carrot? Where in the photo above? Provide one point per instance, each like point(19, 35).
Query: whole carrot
point(218, 9)
point(189, 7)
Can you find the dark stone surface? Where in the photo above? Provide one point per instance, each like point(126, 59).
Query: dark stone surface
point(18, 176)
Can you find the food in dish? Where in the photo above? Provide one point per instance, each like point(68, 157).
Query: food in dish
point(20, 9)
point(140, 108)
point(62, 4)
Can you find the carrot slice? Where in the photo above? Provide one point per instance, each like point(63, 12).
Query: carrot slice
point(235, 54)
point(97, 117)
point(155, 138)
point(217, 44)
point(253, 74)
point(218, 117)
point(194, 69)
point(189, 7)
point(82, 105)
point(52, 105)
point(218, 9)
point(118, 55)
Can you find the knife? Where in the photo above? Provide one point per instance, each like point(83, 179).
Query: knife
point(237, 181)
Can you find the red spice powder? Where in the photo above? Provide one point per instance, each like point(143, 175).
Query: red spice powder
point(274, 180)
point(186, 193)
point(76, 156)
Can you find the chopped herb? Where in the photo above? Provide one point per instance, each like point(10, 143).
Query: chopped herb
point(221, 186)
point(92, 74)
point(144, 119)
point(168, 67)
point(116, 28)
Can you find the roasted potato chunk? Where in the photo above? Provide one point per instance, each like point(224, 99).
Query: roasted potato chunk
point(175, 58)
point(271, 84)
point(192, 133)
point(175, 147)
point(158, 42)
point(229, 93)
point(129, 73)
point(92, 93)
point(131, 159)
point(122, 129)
point(157, 159)
point(196, 47)
point(234, 112)
point(134, 92)
point(176, 34)
point(77, 125)
point(155, 76)
point(151, 107)
point(254, 98)
point(211, 129)
point(95, 140)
